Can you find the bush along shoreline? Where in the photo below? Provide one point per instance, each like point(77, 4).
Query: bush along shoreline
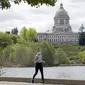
point(20, 50)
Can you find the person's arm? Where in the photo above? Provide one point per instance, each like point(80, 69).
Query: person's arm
point(43, 61)
point(36, 59)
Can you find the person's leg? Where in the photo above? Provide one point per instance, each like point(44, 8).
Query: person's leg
point(41, 70)
point(36, 71)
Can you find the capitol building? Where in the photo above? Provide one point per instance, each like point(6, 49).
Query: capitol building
point(61, 31)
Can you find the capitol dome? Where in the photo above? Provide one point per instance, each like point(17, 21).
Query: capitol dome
point(61, 13)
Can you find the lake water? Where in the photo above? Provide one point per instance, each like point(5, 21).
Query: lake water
point(67, 72)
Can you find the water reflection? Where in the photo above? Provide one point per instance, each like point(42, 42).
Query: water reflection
point(72, 72)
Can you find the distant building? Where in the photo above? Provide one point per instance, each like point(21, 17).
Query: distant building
point(62, 31)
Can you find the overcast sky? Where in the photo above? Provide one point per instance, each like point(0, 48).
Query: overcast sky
point(41, 18)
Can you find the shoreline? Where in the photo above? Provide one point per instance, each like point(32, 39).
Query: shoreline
point(62, 65)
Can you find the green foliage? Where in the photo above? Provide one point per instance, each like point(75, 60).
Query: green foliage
point(7, 3)
point(75, 59)
point(14, 38)
point(34, 46)
point(5, 39)
point(48, 53)
point(19, 50)
point(82, 56)
point(4, 56)
point(21, 55)
point(82, 28)
point(82, 48)
point(28, 34)
point(70, 49)
point(82, 38)
point(1, 58)
point(61, 57)
point(82, 35)
point(32, 34)
point(23, 33)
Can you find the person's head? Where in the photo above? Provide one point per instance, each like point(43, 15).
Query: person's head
point(38, 49)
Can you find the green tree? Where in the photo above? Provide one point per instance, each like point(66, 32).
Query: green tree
point(28, 34)
point(82, 38)
point(37, 3)
point(82, 28)
point(61, 57)
point(21, 55)
point(23, 33)
point(48, 53)
point(32, 34)
point(82, 35)
point(1, 57)
point(14, 38)
point(4, 56)
point(82, 56)
point(5, 39)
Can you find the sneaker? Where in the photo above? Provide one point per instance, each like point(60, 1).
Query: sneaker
point(32, 80)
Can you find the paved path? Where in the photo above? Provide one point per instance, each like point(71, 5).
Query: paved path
point(22, 83)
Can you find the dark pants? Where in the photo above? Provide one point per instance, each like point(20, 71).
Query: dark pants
point(39, 66)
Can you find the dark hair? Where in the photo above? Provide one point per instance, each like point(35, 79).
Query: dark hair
point(38, 49)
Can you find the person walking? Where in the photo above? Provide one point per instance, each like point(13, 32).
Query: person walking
point(38, 65)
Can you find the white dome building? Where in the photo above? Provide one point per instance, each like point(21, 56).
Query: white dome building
point(62, 31)
point(61, 21)
point(61, 13)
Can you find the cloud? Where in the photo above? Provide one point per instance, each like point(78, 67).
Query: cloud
point(78, 1)
point(41, 18)
point(9, 14)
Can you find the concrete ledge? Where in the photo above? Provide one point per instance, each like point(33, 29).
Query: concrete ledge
point(49, 81)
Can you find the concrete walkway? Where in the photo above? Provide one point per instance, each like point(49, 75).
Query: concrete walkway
point(27, 81)
point(22, 83)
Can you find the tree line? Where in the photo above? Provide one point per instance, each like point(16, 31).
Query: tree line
point(20, 49)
